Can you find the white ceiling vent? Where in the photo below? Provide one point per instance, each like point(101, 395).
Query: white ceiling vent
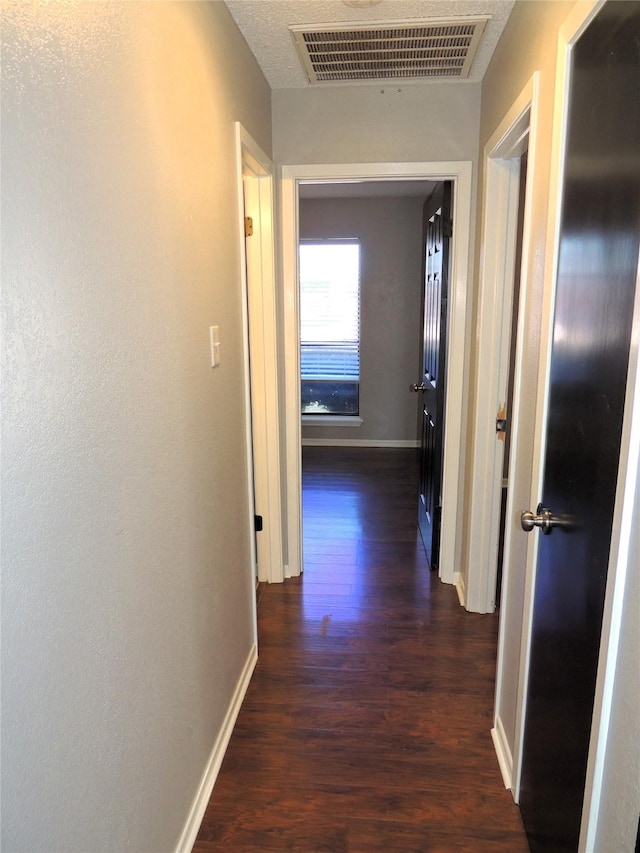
point(407, 50)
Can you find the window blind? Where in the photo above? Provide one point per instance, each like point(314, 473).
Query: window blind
point(330, 311)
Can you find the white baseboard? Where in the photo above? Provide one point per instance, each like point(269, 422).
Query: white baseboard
point(358, 442)
point(505, 759)
point(458, 582)
point(203, 795)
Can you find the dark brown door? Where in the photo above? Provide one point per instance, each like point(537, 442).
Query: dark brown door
point(596, 281)
point(436, 237)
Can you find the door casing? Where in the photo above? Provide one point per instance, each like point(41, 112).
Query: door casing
point(516, 133)
point(460, 172)
point(256, 182)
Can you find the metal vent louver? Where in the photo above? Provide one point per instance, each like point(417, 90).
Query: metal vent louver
point(333, 53)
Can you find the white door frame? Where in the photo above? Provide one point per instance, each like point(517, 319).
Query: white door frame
point(256, 190)
point(516, 133)
point(460, 172)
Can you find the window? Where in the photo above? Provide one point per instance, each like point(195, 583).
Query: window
point(330, 327)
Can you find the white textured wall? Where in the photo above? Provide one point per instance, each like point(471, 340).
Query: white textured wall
point(376, 124)
point(126, 587)
point(390, 234)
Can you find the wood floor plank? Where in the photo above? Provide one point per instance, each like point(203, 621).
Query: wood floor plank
point(366, 726)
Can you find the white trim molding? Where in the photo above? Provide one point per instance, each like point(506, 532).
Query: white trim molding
point(458, 582)
point(503, 753)
point(460, 173)
point(256, 194)
point(515, 134)
point(203, 794)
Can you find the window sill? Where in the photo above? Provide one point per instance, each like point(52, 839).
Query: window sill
point(331, 420)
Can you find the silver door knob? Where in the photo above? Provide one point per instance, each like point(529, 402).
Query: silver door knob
point(545, 520)
point(416, 387)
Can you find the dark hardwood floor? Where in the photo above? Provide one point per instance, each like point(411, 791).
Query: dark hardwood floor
point(366, 726)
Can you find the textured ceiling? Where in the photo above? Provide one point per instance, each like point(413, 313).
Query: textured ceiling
point(265, 26)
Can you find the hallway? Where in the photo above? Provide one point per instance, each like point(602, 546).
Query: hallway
point(366, 726)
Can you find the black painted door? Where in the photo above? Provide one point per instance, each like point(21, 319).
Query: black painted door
point(436, 240)
point(596, 279)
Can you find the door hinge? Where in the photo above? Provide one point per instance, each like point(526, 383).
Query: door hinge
point(501, 423)
point(257, 519)
point(248, 226)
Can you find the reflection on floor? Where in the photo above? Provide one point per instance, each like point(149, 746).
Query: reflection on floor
point(366, 726)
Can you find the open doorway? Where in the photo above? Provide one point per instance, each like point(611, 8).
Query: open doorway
point(293, 178)
point(361, 332)
point(504, 415)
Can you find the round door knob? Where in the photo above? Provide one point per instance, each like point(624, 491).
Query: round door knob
point(545, 520)
point(416, 387)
